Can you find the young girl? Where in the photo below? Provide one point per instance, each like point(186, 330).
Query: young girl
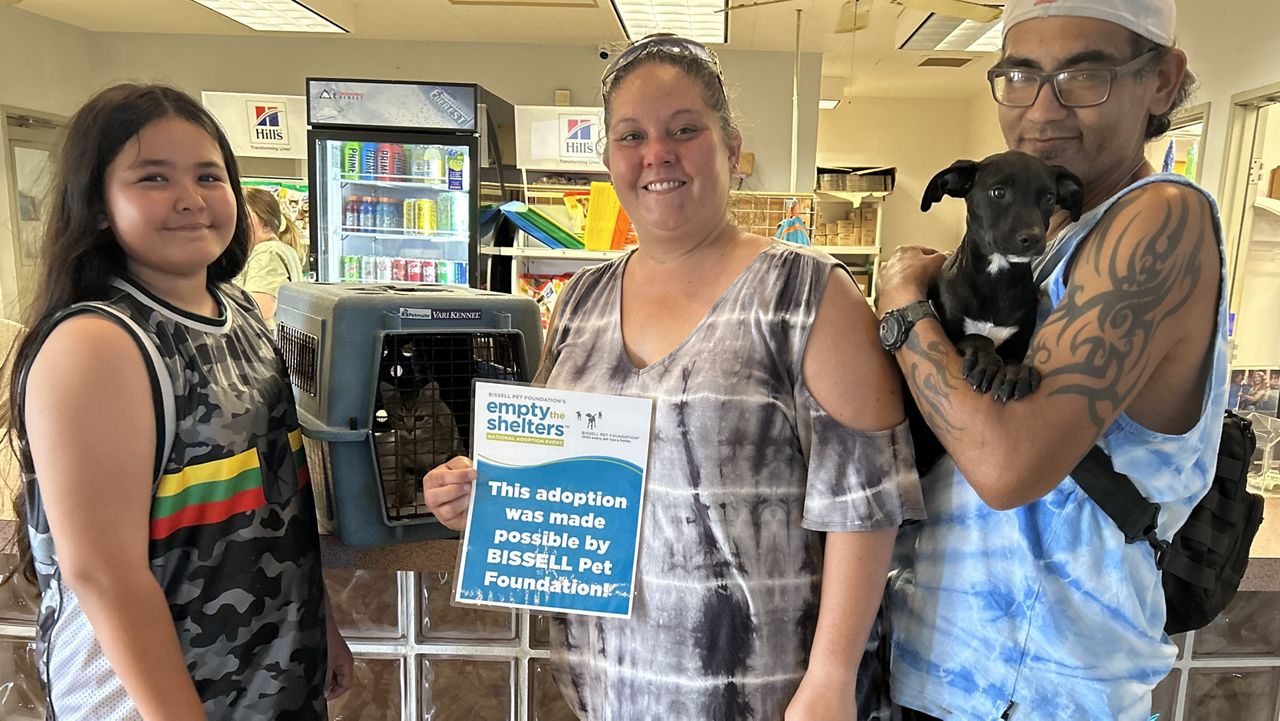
point(273, 255)
point(169, 515)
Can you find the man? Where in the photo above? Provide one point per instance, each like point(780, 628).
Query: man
point(1018, 598)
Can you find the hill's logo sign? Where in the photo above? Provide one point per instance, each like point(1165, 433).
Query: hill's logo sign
point(267, 123)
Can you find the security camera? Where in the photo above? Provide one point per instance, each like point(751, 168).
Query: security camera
point(604, 51)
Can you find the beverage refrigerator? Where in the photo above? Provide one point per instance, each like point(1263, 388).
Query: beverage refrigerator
point(394, 178)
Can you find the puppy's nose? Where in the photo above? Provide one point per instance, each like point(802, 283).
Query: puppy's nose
point(1029, 239)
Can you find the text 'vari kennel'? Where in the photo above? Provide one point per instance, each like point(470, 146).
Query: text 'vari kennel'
point(383, 376)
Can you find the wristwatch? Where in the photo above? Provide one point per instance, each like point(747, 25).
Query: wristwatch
point(896, 325)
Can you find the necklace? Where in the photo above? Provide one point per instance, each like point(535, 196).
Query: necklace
point(1050, 256)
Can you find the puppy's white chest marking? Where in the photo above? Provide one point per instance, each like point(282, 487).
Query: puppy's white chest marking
point(998, 262)
point(997, 333)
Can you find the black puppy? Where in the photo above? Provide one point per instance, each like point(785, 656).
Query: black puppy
point(985, 295)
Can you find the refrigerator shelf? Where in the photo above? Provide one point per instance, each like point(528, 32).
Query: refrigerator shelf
point(411, 183)
point(434, 236)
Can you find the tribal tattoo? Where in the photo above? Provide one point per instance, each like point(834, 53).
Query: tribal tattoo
point(1096, 344)
point(933, 383)
point(1107, 333)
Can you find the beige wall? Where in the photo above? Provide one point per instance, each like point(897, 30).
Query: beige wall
point(1230, 54)
point(984, 128)
point(919, 137)
point(44, 68)
point(45, 65)
point(74, 62)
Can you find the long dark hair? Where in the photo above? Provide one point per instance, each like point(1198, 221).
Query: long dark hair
point(79, 257)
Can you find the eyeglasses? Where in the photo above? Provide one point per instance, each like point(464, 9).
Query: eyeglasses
point(1080, 88)
point(661, 43)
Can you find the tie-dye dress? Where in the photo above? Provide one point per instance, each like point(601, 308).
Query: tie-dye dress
point(746, 472)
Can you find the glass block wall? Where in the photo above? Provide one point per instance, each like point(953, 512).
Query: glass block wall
point(418, 657)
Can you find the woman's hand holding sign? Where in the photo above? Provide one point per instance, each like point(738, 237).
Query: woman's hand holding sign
point(447, 489)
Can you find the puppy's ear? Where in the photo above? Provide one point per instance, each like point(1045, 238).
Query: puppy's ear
point(1070, 192)
point(955, 181)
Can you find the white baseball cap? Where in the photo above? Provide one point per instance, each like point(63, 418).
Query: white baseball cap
point(1152, 19)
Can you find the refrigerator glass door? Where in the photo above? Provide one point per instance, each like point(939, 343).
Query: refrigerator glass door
point(394, 211)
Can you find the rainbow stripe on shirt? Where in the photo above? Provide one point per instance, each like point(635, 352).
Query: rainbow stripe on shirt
point(212, 492)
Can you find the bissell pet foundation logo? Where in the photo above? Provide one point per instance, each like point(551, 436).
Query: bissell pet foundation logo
point(268, 123)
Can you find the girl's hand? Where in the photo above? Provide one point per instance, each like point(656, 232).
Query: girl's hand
point(824, 698)
point(340, 673)
point(447, 489)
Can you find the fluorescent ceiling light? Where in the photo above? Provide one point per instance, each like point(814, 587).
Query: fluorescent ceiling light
point(942, 32)
point(693, 19)
point(281, 16)
point(826, 104)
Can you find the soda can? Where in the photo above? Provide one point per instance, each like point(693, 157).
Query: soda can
point(410, 215)
point(413, 270)
point(368, 268)
point(384, 267)
point(428, 271)
point(460, 272)
point(444, 212)
point(429, 209)
point(443, 272)
point(458, 223)
point(351, 267)
point(397, 269)
point(419, 214)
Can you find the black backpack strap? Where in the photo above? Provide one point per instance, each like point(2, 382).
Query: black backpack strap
point(1116, 495)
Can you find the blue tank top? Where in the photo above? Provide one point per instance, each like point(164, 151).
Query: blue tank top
point(1044, 612)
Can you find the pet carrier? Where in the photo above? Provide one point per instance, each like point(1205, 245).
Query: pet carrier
point(382, 376)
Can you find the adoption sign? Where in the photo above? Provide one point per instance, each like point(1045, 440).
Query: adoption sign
point(555, 512)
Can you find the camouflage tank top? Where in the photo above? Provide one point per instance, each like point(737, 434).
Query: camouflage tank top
point(233, 536)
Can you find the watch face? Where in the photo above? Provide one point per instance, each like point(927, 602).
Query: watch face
point(890, 329)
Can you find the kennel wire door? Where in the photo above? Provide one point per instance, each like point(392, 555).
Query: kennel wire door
point(383, 380)
point(422, 414)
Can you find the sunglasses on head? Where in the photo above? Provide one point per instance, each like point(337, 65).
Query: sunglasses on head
point(665, 43)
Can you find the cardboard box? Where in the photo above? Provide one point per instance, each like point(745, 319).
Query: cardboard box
point(869, 215)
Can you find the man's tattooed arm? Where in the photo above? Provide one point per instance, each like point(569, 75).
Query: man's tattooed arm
point(1098, 343)
point(1143, 285)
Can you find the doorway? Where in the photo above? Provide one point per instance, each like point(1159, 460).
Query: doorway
point(1251, 218)
point(28, 141)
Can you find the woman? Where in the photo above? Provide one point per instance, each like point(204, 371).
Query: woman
point(273, 256)
point(778, 418)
